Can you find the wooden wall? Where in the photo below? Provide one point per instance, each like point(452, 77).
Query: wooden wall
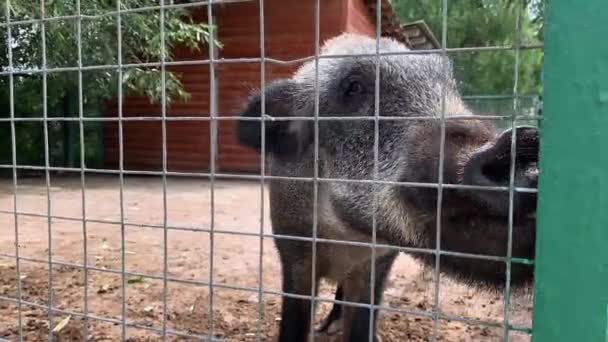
point(289, 34)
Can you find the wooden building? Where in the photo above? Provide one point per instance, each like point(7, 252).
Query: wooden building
point(289, 29)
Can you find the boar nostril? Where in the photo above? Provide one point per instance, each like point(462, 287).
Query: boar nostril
point(491, 166)
point(484, 169)
point(497, 172)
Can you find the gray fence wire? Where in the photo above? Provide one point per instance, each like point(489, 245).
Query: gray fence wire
point(214, 117)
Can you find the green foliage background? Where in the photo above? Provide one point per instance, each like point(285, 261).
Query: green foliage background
point(141, 43)
point(486, 23)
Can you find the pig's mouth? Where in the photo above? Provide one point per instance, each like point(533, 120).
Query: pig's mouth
point(472, 253)
point(474, 247)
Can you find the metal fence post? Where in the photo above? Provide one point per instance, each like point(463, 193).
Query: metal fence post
point(571, 290)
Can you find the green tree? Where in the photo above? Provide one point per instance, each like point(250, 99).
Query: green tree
point(482, 23)
point(98, 26)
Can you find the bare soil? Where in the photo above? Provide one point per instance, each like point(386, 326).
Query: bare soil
point(234, 301)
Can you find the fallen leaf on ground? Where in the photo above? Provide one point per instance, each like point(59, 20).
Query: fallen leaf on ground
point(62, 324)
point(103, 288)
point(135, 280)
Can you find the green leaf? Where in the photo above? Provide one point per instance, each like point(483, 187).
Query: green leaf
point(136, 280)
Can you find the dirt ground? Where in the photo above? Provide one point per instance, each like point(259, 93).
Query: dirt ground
point(236, 264)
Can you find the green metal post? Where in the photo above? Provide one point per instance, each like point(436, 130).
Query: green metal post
point(571, 285)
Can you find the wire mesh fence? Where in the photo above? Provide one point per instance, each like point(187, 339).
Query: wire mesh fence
point(152, 73)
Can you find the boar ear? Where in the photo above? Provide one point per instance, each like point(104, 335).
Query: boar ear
point(285, 139)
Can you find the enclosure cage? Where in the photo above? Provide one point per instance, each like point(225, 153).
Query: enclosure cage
point(68, 69)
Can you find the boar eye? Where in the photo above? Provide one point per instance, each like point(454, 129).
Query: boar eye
point(354, 88)
point(352, 91)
